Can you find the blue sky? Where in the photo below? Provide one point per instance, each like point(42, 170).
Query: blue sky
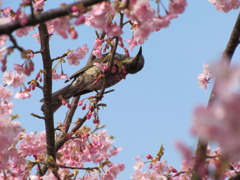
point(153, 107)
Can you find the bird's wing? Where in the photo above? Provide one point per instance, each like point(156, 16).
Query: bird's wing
point(86, 67)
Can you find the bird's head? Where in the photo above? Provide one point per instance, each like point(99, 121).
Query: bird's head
point(135, 63)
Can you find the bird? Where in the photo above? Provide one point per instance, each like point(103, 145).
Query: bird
point(94, 75)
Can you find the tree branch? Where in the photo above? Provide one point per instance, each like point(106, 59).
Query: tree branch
point(227, 56)
point(47, 90)
point(45, 16)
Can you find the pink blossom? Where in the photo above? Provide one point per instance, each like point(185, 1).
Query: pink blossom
point(13, 79)
point(8, 134)
point(19, 68)
point(57, 76)
point(29, 67)
point(160, 167)
point(139, 164)
point(23, 95)
point(177, 6)
point(5, 108)
point(97, 53)
point(102, 66)
point(80, 53)
point(32, 144)
point(24, 31)
point(61, 26)
point(132, 43)
point(80, 20)
point(98, 43)
point(99, 15)
point(94, 148)
point(204, 78)
point(38, 5)
point(5, 93)
point(113, 30)
point(7, 11)
point(3, 52)
point(225, 5)
point(3, 39)
point(73, 58)
point(113, 171)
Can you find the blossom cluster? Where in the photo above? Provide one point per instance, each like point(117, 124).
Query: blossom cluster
point(225, 5)
point(146, 20)
point(85, 147)
point(158, 169)
point(8, 135)
point(219, 122)
point(74, 56)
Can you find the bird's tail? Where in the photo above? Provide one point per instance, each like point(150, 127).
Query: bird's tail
point(58, 96)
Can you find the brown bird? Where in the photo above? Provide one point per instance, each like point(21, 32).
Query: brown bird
point(92, 76)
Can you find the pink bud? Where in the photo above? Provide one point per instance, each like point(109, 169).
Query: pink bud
point(74, 8)
point(96, 121)
point(64, 102)
point(84, 107)
point(31, 54)
point(149, 156)
point(89, 115)
point(90, 107)
point(150, 166)
point(73, 33)
point(33, 87)
point(80, 103)
point(173, 170)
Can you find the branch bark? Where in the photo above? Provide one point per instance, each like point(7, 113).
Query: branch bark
point(45, 16)
point(47, 89)
point(202, 144)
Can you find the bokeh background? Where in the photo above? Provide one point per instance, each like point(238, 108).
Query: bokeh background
point(153, 107)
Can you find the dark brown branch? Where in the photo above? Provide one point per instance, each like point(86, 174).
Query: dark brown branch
point(47, 91)
point(227, 56)
point(45, 16)
point(59, 57)
point(15, 44)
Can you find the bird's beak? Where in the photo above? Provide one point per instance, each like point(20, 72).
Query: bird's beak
point(137, 62)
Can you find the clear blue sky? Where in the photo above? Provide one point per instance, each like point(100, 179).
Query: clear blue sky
point(153, 107)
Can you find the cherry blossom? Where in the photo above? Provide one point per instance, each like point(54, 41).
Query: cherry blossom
point(225, 5)
point(8, 134)
point(13, 79)
point(6, 108)
point(97, 53)
point(5, 93)
point(23, 94)
point(204, 77)
point(38, 5)
point(32, 144)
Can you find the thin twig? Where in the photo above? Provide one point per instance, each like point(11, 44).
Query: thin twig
point(45, 16)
